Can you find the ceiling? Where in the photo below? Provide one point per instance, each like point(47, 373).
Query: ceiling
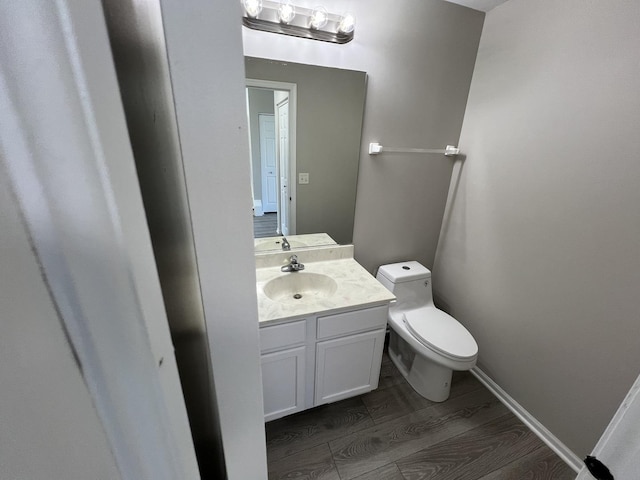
point(482, 5)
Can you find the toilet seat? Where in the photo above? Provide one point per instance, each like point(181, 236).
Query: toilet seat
point(441, 332)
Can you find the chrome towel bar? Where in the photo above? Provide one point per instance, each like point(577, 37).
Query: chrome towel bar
point(376, 148)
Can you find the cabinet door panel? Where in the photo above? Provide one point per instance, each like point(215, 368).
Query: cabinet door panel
point(283, 382)
point(348, 366)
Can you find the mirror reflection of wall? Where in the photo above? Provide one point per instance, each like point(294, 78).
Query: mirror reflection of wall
point(330, 105)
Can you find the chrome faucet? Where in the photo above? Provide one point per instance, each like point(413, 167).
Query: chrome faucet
point(293, 265)
point(285, 244)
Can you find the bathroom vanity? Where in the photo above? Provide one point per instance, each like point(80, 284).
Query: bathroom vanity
point(321, 329)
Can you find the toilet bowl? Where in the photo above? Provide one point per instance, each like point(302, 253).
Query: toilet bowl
point(426, 343)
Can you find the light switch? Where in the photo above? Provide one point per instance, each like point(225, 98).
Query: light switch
point(303, 178)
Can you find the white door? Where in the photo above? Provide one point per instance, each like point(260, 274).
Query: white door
point(268, 162)
point(619, 446)
point(282, 111)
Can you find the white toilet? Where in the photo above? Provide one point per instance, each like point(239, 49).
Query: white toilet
point(426, 344)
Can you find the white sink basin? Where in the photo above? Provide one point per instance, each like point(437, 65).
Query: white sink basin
point(300, 286)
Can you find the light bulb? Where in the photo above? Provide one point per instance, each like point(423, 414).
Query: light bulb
point(286, 11)
point(319, 17)
point(347, 23)
point(253, 7)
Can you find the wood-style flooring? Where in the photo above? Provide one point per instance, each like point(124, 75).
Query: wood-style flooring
point(393, 433)
point(265, 226)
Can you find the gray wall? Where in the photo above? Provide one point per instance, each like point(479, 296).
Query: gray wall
point(330, 104)
point(419, 58)
point(139, 51)
point(260, 101)
point(539, 255)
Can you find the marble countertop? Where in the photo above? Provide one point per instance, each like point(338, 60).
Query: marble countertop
point(356, 287)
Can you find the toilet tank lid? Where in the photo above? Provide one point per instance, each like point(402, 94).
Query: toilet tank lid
point(404, 271)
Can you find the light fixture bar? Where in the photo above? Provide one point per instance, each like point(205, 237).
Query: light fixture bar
point(296, 31)
point(300, 25)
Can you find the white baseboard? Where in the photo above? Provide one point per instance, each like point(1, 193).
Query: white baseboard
point(530, 421)
point(257, 208)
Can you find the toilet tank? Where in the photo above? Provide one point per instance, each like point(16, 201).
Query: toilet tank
point(410, 282)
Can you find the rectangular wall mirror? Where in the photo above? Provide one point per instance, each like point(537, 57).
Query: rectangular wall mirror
point(305, 123)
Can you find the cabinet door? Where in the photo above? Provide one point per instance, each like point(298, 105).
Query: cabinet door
point(283, 382)
point(348, 366)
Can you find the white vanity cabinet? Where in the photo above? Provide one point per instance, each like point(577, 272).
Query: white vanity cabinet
point(321, 359)
point(349, 353)
point(283, 360)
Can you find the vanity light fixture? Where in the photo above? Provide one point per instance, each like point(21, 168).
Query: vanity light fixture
point(284, 18)
point(286, 12)
point(347, 23)
point(252, 7)
point(319, 18)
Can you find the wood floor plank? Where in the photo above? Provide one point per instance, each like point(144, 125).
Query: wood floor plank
point(389, 374)
point(389, 403)
point(542, 464)
point(406, 426)
point(388, 472)
point(265, 226)
point(472, 454)
point(313, 427)
point(377, 446)
point(315, 463)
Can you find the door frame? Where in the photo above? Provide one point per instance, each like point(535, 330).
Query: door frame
point(284, 216)
point(293, 108)
point(618, 434)
point(79, 200)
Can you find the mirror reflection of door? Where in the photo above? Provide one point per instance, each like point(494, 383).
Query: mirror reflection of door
point(270, 136)
point(268, 165)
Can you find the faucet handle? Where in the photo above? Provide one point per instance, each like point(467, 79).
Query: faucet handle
point(293, 265)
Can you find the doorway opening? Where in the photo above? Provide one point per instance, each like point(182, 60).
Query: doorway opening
point(271, 111)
